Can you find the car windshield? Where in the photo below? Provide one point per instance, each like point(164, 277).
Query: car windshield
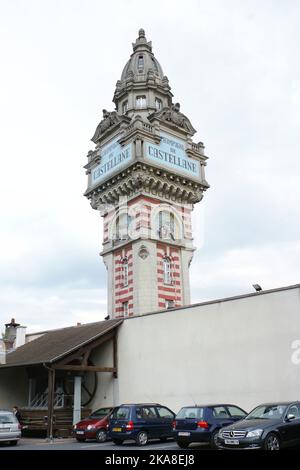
point(121, 413)
point(190, 413)
point(101, 413)
point(7, 419)
point(267, 412)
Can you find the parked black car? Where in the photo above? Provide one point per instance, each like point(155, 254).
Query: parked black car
point(202, 423)
point(140, 422)
point(269, 426)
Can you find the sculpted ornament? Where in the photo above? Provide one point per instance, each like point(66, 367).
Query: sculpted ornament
point(143, 252)
point(174, 115)
point(109, 119)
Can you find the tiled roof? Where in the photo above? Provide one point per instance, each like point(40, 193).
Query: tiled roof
point(53, 345)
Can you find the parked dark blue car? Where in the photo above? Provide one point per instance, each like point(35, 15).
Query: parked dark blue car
point(140, 422)
point(202, 423)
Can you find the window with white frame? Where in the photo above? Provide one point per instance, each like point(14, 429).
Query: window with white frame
point(125, 271)
point(125, 309)
point(141, 101)
point(167, 270)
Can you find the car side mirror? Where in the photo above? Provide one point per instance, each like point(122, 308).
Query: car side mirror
point(290, 417)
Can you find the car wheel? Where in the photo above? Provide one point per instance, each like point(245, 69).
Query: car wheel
point(101, 435)
point(13, 443)
point(80, 439)
point(214, 440)
point(272, 442)
point(182, 444)
point(142, 438)
point(118, 442)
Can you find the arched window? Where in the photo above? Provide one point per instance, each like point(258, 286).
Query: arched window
point(165, 225)
point(167, 270)
point(125, 271)
point(158, 104)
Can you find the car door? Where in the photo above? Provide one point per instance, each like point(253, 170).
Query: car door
point(292, 427)
point(221, 416)
point(149, 420)
point(166, 418)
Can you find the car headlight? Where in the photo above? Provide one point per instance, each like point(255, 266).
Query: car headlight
point(75, 426)
point(220, 433)
point(255, 433)
point(90, 426)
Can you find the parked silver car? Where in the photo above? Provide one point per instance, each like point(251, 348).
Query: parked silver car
point(10, 428)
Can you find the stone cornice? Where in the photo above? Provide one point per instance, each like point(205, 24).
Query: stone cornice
point(143, 179)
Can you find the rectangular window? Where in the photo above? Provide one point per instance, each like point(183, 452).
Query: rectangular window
point(125, 273)
point(167, 271)
point(141, 62)
point(166, 226)
point(158, 104)
point(124, 107)
point(125, 309)
point(141, 101)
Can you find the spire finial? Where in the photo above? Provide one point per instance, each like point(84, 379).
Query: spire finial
point(141, 33)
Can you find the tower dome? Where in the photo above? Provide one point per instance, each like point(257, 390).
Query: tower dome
point(142, 60)
point(141, 74)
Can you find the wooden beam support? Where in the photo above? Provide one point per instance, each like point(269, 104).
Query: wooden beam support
point(115, 354)
point(80, 352)
point(84, 368)
point(86, 357)
point(51, 386)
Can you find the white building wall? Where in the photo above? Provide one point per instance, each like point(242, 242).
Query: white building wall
point(103, 357)
point(237, 351)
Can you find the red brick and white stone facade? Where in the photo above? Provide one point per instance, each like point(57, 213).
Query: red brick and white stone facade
point(144, 176)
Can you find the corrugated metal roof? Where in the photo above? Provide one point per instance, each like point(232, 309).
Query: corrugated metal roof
point(54, 345)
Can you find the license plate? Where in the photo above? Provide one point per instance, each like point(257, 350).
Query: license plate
point(79, 432)
point(117, 429)
point(184, 434)
point(232, 442)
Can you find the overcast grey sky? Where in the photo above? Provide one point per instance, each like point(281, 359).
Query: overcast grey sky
point(234, 67)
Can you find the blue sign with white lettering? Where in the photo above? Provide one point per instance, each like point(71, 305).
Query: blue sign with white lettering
point(171, 153)
point(113, 157)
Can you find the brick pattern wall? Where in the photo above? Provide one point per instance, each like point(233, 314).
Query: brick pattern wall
point(123, 293)
point(169, 291)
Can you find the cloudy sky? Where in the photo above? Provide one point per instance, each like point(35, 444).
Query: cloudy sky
point(234, 67)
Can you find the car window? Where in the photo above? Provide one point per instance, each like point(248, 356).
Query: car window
point(121, 413)
point(190, 412)
point(236, 412)
point(101, 413)
point(294, 410)
point(8, 418)
point(146, 412)
point(164, 412)
point(267, 412)
point(220, 412)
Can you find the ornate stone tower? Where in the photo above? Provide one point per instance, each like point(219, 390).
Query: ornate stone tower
point(144, 176)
